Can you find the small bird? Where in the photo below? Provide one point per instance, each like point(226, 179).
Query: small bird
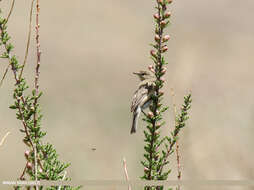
point(142, 96)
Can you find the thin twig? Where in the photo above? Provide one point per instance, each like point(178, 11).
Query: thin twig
point(28, 39)
point(126, 172)
point(4, 138)
point(177, 144)
point(10, 12)
point(65, 173)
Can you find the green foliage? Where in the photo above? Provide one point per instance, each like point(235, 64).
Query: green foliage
point(42, 161)
point(158, 149)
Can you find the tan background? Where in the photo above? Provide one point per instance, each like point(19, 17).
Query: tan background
point(89, 51)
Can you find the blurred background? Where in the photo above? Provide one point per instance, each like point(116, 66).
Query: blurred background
point(89, 51)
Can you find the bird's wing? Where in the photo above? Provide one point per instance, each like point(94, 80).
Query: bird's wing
point(140, 96)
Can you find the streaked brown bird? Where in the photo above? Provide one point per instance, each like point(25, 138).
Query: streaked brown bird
point(142, 96)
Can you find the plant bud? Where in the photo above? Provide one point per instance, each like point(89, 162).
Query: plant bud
point(150, 114)
point(40, 170)
point(27, 152)
point(160, 1)
point(159, 104)
point(153, 53)
point(157, 38)
point(163, 23)
point(158, 125)
point(150, 67)
point(165, 38)
point(164, 48)
point(29, 165)
point(156, 16)
point(164, 69)
point(146, 169)
point(161, 93)
point(163, 79)
point(169, 1)
point(167, 14)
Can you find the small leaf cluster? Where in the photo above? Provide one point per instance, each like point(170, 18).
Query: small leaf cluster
point(28, 111)
point(183, 116)
point(50, 166)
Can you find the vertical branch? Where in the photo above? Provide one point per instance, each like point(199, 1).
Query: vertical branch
point(155, 102)
point(159, 82)
point(38, 62)
point(36, 84)
point(154, 119)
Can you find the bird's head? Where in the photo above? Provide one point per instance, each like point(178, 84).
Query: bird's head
point(143, 75)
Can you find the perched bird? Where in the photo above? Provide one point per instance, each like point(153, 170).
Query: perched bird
point(142, 96)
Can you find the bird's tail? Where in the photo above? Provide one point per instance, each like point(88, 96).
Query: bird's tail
point(136, 114)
